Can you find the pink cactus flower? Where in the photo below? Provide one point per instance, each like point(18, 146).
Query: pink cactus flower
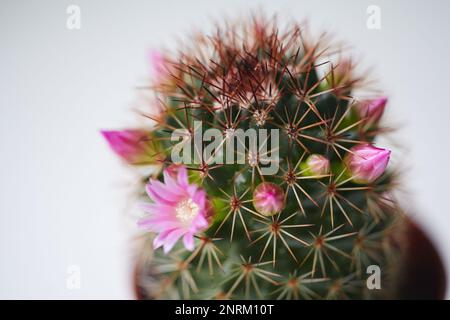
point(268, 199)
point(179, 209)
point(366, 162)
point(127, 144)
point(318, 164)
point(372, 109)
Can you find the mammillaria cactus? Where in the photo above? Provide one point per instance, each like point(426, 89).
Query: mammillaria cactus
point(268, 182)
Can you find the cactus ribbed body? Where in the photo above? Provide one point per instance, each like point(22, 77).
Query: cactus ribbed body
point(311, 229)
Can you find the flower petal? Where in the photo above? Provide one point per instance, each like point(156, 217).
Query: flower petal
point(160, 239)
point(171, 239)
point(172, 183)
point(188, 241)
point(182, 177)
point(159, 195)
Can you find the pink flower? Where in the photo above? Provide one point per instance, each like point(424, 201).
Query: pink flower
point(317, 164)
point(179, 209)
point(366, 162)
point(268, 199)
point(372, 109)
point(130, 145)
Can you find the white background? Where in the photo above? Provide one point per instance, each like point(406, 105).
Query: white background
point(63, 193)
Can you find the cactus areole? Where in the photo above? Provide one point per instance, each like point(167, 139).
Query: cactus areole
point(267, 181)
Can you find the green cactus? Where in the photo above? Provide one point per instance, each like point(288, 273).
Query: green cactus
point(310, 230)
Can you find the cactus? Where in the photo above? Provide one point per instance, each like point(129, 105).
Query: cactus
point(227, 230)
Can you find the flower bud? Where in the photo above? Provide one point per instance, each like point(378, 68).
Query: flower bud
point(317, 165)
point(268, 199)
point(372, 109)
point(130, 145)
point(158, 66)
point(366, 162)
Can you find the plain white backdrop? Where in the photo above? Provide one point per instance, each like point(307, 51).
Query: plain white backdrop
point(63, 193)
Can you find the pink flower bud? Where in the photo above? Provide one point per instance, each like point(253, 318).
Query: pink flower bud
point(268, 199)
point(366, 162)
point(372, 109)
point(127, 144)
point(158, 65)
point(318, 164)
